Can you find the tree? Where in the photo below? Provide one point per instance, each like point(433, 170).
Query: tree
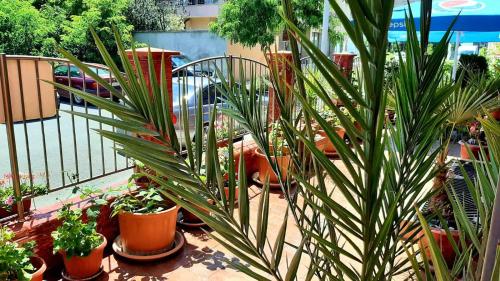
point(335, 33)
point(99, 15)
point(23, 30)
point(252, 22)
point(153, 15)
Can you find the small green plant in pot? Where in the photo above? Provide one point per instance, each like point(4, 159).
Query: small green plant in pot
point(280, 153)
point(8, 200)
point(78, 242)
point(474, 141)
point(332, 119)
point(147, 220)
point(17, 261)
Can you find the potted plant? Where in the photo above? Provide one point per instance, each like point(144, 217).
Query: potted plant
point(17, 262)
point(140, 174)
point(223, 154)
point(147, 220)
point(78, 242)
point(332, 120)
point(280, 152)
point(474, 141)
point(8, 200)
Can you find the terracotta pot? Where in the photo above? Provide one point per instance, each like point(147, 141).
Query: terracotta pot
point(40, 267)
point(85, 267)
point(236, 192)
point(328, 145)
point(143, 233)
point(475, 149)
point(496, 114)
point(442, 241)
point(7, 213)
point(192, 218)
point(222, 143)
point(265, 169)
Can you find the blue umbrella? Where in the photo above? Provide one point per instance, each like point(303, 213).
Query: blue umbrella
point(478, 21)
point(475, 15)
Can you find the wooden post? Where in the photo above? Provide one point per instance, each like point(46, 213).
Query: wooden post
point(11, 138)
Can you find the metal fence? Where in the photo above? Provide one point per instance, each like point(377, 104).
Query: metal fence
point(43, 147)
point(203, 79)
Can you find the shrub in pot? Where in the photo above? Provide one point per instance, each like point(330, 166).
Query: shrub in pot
point(17, 261)
point(471, 146)
point(147, 220)
point(224, 162)
point(78, 242)
point(332, 120)
point(280, 152)
point(8, 200)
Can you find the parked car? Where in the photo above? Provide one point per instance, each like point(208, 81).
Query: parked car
point(192, 87)
point(203, 69)
point(71, 75)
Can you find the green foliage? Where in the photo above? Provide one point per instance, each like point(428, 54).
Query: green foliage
point(472, 65)
point(75, 237)
point(99, 15)
point(36, 28)
point(471, 254)
point(27, 185)
point(384, 173)
point(139, 201)
point(253, 22)
point(154, 15)
point(15, 262)
point(23, 29)
point(335, 34)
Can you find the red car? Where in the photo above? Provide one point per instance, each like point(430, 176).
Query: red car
point(75, 78)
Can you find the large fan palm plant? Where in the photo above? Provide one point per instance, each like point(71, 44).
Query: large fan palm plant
point(383, 178)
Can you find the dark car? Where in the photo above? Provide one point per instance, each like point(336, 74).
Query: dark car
point(71, 75)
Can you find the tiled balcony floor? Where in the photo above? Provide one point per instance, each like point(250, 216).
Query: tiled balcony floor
point(202, 258)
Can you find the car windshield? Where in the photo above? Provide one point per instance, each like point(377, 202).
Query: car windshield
point(180, 60)
point(100, 71)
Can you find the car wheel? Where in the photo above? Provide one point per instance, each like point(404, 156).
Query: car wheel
point(78, 100)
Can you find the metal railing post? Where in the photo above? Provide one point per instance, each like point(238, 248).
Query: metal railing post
point(11, 138)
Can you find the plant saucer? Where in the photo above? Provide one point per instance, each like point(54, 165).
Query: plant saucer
point(150, 256)
point(180, 221)
point(255, 178)
point(332, 155)
point(65, 275)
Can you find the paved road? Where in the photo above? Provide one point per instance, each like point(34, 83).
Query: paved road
point(76, 136)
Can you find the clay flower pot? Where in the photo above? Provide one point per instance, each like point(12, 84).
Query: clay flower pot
point(443, 243)
point(236, 192)
point(265, 169)
point(328, 145)
point(496, 114)
point(475, 150)
point(85, 267)
point(40, 267)
point(192, 218)
point(441, 239)
point(13, 210)
point(144, 233)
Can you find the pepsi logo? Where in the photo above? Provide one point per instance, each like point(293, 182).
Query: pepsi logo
point(461, 5)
